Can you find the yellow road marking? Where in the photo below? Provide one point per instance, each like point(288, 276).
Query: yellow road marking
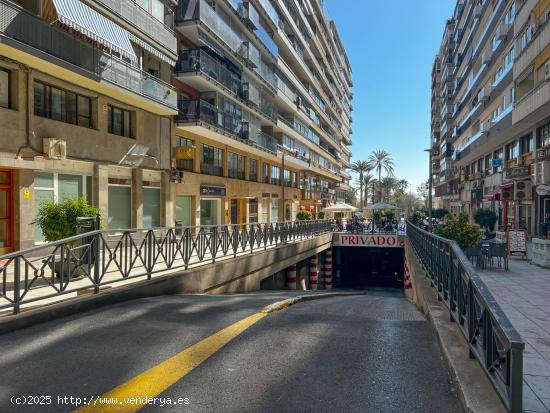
point(154, 381)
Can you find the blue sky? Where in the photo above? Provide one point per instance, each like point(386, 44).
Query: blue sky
point(391, 46)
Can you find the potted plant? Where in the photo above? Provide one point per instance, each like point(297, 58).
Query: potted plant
point(59, 221)
point(303, 216)
point(459, 229)
point(486, 219)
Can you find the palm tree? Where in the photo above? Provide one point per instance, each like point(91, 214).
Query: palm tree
point(387, 185)
point(360, 167)
point(378, 160)
point(403, 184)
point(368, 179)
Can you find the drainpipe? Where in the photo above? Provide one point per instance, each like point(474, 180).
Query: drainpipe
point(28, 132)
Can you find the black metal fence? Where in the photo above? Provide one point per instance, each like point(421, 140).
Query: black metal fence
point(84, 263)
point(492, 339)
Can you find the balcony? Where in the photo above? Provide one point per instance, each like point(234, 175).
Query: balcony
point(50, 43)
point(534, 101)
point(270, 11)
point(535, 48)
point(140, 19)
point(201, 112)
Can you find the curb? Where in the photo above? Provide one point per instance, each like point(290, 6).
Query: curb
point(281, 305)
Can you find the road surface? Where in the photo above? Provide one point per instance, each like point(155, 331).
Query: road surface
point(368, 353)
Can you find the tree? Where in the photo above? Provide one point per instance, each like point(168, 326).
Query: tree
point(440, 213)
point(458, 228)
point(409, 203)
point(351, 196)
point(381, 160)
point(422, 191)
point(367, 181)
point(403, 185)
point(485, 218)
point(361, 168)
point(387, 186)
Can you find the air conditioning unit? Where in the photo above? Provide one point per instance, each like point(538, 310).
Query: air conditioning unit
point(508, 194)
point(485, 92)
point(485, 126)
point(502, 31)
point(477, 11)
point(250, 15)
point(54, 148)
point(245, 130)
point(176, 176)
point(523, 190)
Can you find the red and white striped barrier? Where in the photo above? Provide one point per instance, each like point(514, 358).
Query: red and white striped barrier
point(328, 269)
point(291, 277)
point(408, 284)
point(314, 272)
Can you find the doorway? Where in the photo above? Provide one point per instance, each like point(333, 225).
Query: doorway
point(6, 212)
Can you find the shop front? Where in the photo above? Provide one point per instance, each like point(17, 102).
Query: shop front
point(517, 199)
point(6, 212)
point(212, 205)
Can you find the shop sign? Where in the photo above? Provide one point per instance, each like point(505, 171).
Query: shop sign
point(211, 190)
point(543, 190)
point(372, 241)
point(543, 153)
point(496, 163)
point(185, 152)
point(517, 172)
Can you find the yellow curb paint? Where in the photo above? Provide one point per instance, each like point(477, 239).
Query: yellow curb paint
point(154, 381)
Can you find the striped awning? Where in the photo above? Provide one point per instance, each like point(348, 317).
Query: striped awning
point(95, 26)
point(152, 50)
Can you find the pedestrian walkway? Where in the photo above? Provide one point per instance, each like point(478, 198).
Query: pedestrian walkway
point(523, 292)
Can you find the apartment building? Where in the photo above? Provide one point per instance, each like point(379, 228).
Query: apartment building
point(264, 99)
point(85, 110)
point(501, 116)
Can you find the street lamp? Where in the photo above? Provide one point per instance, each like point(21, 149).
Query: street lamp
point(430, 153)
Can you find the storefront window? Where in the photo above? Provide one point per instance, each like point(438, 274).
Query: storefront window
point(210, 212)
point(183, 210)
point(252, 211)
point(275, 210)
point(120, 207)
point(151, 207)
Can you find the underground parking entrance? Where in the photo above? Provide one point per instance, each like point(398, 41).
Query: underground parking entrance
point(366, 261)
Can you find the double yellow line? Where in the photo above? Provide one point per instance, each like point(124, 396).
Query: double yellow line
point(157, 379)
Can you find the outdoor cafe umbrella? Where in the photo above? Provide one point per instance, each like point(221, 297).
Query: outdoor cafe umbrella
point(381, 205)
point(340, 208)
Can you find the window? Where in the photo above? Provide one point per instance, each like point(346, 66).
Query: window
point(253, 170)
point(288, 142)
point(265, 173)
point(184, 164)
point(265, 210)
point(64, 106)
point(121, 122)
point(543, 136)
point(288, 179)
point(158, 10)
point(526, 143)
point(235, 165)
point(151, 207)
point(120, 207)
point(275, 175)
point(512, 150)
point(212, 160)
point(275, 210)
point(4, 88)
point(54, 187)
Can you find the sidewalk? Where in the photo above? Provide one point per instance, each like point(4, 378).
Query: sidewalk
point(524, 294)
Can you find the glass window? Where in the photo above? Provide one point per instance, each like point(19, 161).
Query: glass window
point(253, 170)
point(265, 173)
point(120, 122)
point(275, 210)
point(235, 165)
point(120, 207)
point(183, 210)
point(543, 138)
point(265, 210)
point(53, 103)
point(43, 180)
point(212, 160)
point(57, 99)
point(151, 207)
point(41, 196)
point(69, 186)
point(209, 212)
point(4, 88)
point(184, 164)
point(275, 175)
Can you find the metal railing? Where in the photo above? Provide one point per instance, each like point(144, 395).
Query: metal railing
point(88, 262)
point(32, 31)
point(492, 339)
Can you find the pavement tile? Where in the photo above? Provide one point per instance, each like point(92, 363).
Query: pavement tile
point(539, 384)
point(537, 366)
point(531, 403)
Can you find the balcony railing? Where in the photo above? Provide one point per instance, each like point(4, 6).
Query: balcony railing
point(198, 60)
point(26, 28)
point(200, 111)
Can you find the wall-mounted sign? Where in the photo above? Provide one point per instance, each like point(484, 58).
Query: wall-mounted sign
point(212, 190)
point(517, 172)
point(373, 241)
point(543, 190)
point(543, 153)
point(26, 193)
point(185, 152)
point(496, 163)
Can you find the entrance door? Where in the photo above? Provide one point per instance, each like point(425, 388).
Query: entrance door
point(210, 212)
point(6, 220)
point(234, 211)
point(183, 210)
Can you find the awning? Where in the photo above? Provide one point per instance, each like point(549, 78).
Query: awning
point(97, 27)
point(152, 50)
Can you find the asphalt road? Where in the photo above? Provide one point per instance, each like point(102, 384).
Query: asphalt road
point(371, 353)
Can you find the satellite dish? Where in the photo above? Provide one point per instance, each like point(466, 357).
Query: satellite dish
point(135, 156)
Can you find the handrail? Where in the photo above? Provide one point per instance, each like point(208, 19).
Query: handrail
point(491, 337)
point(86, 262)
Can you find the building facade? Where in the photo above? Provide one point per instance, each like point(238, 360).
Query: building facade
point(264, 123)
point(495, 151)
point(160, 112)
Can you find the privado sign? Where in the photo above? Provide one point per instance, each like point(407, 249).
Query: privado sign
point(356, 240)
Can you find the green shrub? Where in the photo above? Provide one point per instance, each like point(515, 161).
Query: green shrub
point(321, 215)
point(58, 221)
point(389, 215)
point(485, 218)
point(303, 216)
point(417, 217)
point(440, 213)
point(458, 228)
